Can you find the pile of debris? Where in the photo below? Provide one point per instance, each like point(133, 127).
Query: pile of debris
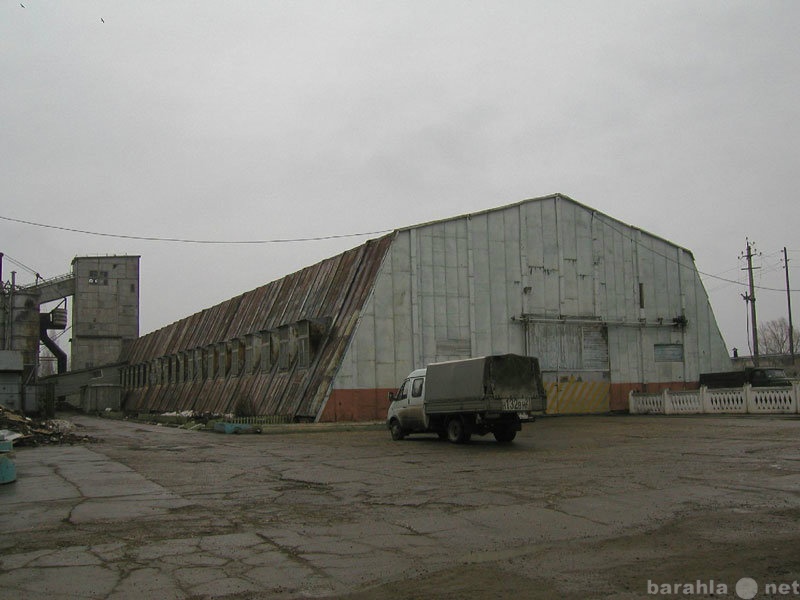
point(24, 431)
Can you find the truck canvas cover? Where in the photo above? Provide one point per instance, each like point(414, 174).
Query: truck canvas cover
point(484, 382)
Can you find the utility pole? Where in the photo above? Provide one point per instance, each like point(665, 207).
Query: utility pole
point(751, 299)
point(789, 303)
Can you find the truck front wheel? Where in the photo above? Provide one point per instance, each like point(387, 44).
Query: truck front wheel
point(457, 431)
point(396, 431)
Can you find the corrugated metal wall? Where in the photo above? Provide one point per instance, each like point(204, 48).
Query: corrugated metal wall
point(590, 296)
point(198, 363)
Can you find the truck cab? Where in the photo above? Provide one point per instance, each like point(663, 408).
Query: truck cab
point(407, 408)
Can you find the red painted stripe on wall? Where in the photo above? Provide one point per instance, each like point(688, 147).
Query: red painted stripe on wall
point(620, 391)
point(356, 405)
point(353, 405)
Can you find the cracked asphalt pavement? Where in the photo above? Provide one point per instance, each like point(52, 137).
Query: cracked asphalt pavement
point(576, 507)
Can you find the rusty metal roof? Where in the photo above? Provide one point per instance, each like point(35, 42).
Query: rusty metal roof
point(336, 289)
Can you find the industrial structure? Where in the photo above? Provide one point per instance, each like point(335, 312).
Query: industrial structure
point(606, 307)
point(105, 315)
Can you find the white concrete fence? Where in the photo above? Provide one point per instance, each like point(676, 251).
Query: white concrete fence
point(744, 400)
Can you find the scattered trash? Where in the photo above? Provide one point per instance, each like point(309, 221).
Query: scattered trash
point(24, 431)
point(189, 414)
point(225, 427)
point(193, 426)
point(61, 425)
point(8, 435)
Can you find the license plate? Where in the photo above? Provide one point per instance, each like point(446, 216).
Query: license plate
point(516, 404)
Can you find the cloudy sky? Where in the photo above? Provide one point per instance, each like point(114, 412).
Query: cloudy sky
point(269, 120)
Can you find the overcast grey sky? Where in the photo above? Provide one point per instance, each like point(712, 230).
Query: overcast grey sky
point(261, 120)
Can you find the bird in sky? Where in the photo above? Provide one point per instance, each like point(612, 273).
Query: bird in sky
point(102, 20)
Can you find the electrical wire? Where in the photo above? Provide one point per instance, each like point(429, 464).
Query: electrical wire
point(22, 265)
point(331, 237)
point(671, 259)
point(193, 241)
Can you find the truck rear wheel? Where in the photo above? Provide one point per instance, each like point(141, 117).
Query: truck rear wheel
point(396, 431)
point(504, 435)
point(458, 431)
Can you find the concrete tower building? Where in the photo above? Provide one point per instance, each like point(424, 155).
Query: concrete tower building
point(105, 310)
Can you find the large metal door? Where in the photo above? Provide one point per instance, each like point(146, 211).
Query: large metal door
point(575, 366)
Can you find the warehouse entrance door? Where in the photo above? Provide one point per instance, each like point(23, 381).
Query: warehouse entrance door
point(575, 366)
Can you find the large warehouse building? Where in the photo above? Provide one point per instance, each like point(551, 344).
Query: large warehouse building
point(606, 307)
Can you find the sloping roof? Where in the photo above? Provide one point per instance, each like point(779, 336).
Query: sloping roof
point(549, 197)
point(335, 289)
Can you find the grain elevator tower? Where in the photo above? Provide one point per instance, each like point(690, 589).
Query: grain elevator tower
point(105, 310)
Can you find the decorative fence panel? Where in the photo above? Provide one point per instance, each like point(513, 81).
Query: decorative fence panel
point(683, 403)
point(725, 401)
point(744, 400)
point(772, 400)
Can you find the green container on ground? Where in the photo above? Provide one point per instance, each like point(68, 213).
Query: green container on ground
point(8, 472)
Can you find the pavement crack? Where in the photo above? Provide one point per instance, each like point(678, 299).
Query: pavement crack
point(569, 514)
point(292, 553)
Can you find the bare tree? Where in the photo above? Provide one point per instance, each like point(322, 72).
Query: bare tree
point(774, 337)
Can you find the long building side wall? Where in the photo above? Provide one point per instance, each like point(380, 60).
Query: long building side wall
point(595, 299)
point(271, 351)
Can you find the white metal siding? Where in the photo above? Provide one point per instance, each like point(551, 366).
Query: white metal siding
point(466, 286)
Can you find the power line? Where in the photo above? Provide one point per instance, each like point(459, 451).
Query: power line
point(328, 237)
point(758, 287)
point(193, 241)
point(673, 260)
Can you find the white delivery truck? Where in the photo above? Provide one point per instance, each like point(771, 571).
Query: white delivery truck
point(456, 399)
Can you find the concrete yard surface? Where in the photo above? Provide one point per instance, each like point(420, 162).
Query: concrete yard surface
point(576, 507)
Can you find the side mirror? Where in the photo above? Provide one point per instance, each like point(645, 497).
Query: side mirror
point(392, 396)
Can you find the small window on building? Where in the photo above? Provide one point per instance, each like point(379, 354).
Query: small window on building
point(202, 362)
point(226, 359)
point(283, 356)
point(237, 349)
point(302, 343)
point(266, 352)
point(303, 353)
point(668, 352)
point(211, 362)
point(284, 349)
point(98, 277)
